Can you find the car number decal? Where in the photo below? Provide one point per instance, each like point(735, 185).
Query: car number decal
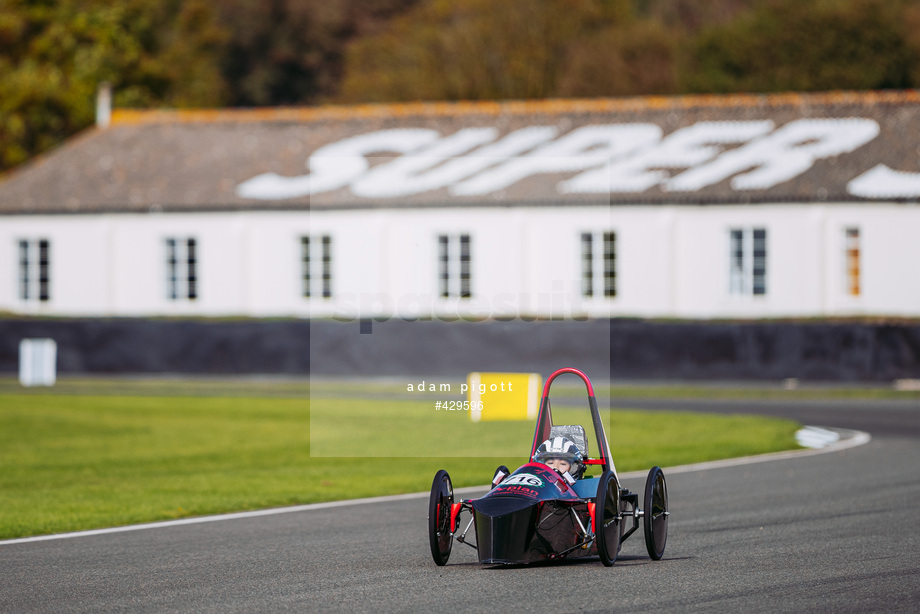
point(525, 479)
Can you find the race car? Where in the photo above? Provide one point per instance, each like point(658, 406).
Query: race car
point(540, 512)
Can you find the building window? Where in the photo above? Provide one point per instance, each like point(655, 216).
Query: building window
point(182, 269)
point(748, 261)
point(454, 261)
point(851, 260)
point(316, 266)
point(598, 264)
point(34, 270)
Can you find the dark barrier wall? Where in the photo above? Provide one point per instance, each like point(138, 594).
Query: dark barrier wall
point(630, 349)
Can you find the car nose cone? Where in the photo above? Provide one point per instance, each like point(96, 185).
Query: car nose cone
point(504, 529)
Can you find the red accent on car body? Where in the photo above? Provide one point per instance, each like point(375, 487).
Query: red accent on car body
point(454, 512)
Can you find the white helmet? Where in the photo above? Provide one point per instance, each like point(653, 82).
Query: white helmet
point(561, 448)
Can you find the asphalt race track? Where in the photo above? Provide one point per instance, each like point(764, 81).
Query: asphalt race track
point(834, 532)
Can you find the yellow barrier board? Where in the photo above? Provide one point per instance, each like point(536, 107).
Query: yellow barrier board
point(503, 396)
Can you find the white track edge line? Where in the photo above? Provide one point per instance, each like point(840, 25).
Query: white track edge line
point(854, 439)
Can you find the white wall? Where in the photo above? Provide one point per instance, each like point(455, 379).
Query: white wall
point(793, 267)
point(136, 270)
point(890, 253)
point(672, 261)
point(79, 248)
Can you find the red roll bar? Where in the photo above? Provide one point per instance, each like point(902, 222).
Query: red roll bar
point(545, 420)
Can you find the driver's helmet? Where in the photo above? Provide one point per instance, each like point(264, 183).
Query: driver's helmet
point(564, 449)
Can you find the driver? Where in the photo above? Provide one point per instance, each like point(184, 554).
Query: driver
point(562, 455)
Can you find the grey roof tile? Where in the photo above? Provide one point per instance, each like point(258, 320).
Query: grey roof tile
point(194, 160)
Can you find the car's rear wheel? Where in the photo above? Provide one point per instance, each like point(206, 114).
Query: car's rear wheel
point(439, 530)
point(607, 518)
point(655, 513)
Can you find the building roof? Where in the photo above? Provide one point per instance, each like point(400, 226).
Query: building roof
point(834, 147)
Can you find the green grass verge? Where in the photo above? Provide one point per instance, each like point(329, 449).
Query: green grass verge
point(303, 387)
point(79, 461)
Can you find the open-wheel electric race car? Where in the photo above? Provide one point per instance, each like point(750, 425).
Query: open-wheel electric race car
point(538, 513)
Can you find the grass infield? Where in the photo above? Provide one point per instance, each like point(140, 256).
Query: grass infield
point(99, 455)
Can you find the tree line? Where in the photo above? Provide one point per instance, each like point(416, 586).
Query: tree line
point(195, 53)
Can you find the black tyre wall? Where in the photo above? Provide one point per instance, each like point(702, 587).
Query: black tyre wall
point(621, 348)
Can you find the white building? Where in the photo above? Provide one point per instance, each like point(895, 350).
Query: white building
point(694, 207)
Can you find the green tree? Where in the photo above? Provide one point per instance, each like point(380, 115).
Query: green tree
point(474, 49)
point(190, 53)
point(635, 59)
point(54, 54)
point(283, 52)
point(692, 15)
point(482, 49)
point(806, 46)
